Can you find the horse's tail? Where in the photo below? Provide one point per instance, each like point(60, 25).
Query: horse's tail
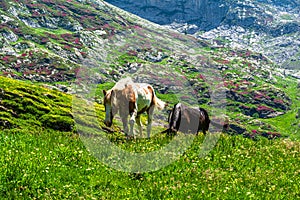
point(158, 103)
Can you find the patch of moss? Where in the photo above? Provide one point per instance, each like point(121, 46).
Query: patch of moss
point(57, 122)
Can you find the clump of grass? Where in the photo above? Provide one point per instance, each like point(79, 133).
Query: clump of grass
point(57, 122)
point(24, 104)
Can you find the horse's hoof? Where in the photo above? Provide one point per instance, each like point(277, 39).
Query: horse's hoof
point(129, 137)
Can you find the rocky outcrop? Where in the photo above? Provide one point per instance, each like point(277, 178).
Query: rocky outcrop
point(267, 103)
point(205, 15)
point(209, 14)
point(267, 26)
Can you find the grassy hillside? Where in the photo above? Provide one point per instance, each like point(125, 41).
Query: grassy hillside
point(42, 156)
point(40, 46)
point(24, 104)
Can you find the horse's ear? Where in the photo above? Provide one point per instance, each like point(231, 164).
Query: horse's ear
point(112, 93)
point(104, 92)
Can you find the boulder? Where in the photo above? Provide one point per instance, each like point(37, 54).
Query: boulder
point(9, 35)
point(275, 114)
point(236, 129)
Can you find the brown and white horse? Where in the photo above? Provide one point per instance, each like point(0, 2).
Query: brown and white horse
point(133, 99)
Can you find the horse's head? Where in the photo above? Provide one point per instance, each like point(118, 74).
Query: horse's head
point(110, 107)
point(204, 118)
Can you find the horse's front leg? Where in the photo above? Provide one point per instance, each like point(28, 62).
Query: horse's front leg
point(125, 124)
point(133, 114)
point(150, 117)
point(138, 121)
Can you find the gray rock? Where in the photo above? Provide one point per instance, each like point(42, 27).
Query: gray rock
point(22, 46)
point(275, 114)
point(236, 129)
point(30, 22)
point(9, 35)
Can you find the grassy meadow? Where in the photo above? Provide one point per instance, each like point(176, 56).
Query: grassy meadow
point(47, 164)
point(41, 160)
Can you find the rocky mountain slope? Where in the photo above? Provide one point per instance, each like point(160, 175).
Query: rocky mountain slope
point(270, 27)
point(57, 44)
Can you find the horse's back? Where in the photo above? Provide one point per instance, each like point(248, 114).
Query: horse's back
point(187, 119)
point(144, 95)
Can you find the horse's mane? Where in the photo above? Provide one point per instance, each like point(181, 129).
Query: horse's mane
point(205, 114)
point(204, 111)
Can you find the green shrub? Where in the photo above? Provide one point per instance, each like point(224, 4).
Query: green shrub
point(255, 115)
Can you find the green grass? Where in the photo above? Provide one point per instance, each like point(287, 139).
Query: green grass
point(287, 123)
point(49, 164)
point(27, 103)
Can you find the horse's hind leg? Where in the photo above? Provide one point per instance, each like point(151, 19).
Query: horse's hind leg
point(204, 131)
point(131, 123)
point(138, 121)
point(150, 117)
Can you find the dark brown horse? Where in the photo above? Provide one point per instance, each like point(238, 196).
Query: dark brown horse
point(131, 99)
point(187, 120)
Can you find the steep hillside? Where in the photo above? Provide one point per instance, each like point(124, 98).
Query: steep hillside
point(269, 27)
point(65, 42)
point(42, 158)
point(28, 105)
point(47, 41)
point(203, 15)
